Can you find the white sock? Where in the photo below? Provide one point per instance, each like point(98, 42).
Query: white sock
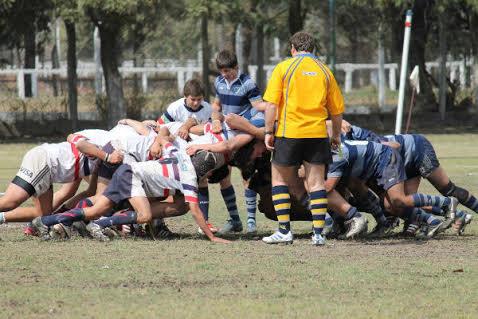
point(2, 218)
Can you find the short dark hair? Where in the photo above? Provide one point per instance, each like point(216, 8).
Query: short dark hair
point(302, 41)
point(204, 162)
point(226, 59)
point(193, 87)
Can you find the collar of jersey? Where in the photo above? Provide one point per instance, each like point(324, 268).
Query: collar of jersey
point(190, 109)
point(310, 55)
point(229, 85)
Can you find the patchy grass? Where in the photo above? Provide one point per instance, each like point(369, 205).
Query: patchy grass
point(192, 278)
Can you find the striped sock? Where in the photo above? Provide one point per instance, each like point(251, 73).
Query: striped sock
point(203, 196)
point(318, 208)
point(437, 211)
point(421, 216)
point(472, 203)
point(123, 218)
point(85, 202)
point(352, 212)
point(229, 197)
point(67, 218)
point(251, 203)
point(421, 200)
point(281, 201)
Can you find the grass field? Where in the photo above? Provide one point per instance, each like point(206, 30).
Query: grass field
point(192, 278)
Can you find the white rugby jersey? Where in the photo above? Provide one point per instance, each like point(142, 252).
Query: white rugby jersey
point(178, 111)
point(67, 164)
point(98, 137)
point(173, 171)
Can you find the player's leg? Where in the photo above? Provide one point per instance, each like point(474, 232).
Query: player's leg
point(14, 196)
point(234, 224)
point(251, 206)
point(355, 222)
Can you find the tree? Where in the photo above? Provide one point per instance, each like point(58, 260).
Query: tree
point(20, 21)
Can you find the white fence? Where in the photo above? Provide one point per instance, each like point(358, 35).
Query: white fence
point(457, 71)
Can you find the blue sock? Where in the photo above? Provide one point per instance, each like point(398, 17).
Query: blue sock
point(352, 212)
point(123, 218)
point(437, 211)
point(67, 218)
point(229, 197)
point(420, 216)
point(421, 200)
point(281, 202)
point(203, 196)
point(472, 203)
point(251, 202)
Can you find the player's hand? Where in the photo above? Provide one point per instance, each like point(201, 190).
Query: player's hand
point(216, 126)
point(155, 150)
point(232, 120)
point(123, 121)
point(269, 141)
point(192, 149)
point(346, 127)
point(335, 142)
point(116, 157)
point(220, 240)
point(183, 133)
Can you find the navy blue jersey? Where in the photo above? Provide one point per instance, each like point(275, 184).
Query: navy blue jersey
point(412, 148)
point(360, 159)
point(361, 134)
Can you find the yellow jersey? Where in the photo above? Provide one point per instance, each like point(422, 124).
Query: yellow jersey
point(305, 91)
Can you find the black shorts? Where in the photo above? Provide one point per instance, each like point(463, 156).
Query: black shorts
point(294, 151)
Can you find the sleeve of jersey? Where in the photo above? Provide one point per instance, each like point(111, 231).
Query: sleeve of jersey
point(168, 115)
point(190, 193)
point(78, 137)
point(253, 92)
point(216, 84)
point(335, 100)
point(336, 169)
point(273, 92)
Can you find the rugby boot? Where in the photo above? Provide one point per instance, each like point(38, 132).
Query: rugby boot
point(279, 238)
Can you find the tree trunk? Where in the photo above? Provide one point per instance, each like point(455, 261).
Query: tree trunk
point(296, 19)
point(30, 52)
point(109, 60)
point(72, 76)
point(426, 100)
point(260, 79)
point(247, 36)
point(205, 56)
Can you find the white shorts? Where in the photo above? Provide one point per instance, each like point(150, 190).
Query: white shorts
point(34, 174)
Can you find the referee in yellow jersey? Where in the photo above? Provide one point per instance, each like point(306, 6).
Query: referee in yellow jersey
point(301, 94)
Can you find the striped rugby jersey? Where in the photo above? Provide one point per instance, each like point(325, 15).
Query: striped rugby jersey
point(236, 97)
point(178, 111)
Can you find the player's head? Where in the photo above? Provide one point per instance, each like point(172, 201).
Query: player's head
point(205, 162)
point(226, 63)
point(246, 156)
point(193, 93)
point(302, 41)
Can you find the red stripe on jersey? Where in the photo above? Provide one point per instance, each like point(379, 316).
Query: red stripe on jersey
point(408, 24)
point(77, 160)
point(160, 121)
point(77, 137)
point(191, 199)
point(208, 129)
point(165, 174)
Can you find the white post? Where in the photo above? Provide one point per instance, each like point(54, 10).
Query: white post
point(180, 77)
point(276, 56)
point(381, 71)
point(392, 79)
point(144, 82)
point(462, 74)
point(403, 72)
point(252, 69)
point(21, 84)
point(99, 86)
point(348, 79)
point(452, 73)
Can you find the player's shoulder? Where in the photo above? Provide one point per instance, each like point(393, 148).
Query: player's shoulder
point(176, 104)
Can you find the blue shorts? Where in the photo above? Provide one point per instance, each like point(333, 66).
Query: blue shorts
point(429, 161)
point(393, 173)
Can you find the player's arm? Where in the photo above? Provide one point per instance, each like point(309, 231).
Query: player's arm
point(394, 145)
point(259, 105)
point(197, 129)
point(150, 123)
point(331, 183)
point(199, 219)
point(65, 192)
point(239, 123)
point(336, 129)
point(223, 147)
point(216, 105)
point(92, 150)
point(183, 131)
point(139, 127)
